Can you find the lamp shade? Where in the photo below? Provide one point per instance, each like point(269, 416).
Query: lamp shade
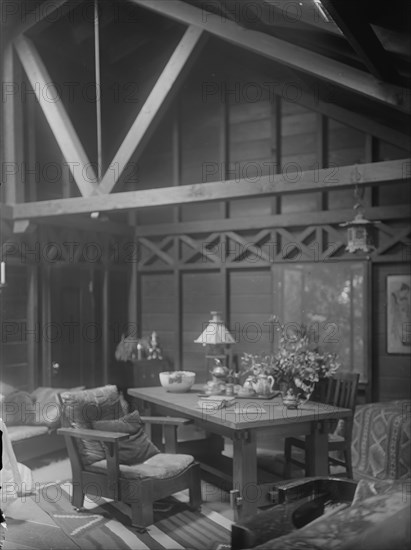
point(215, 332)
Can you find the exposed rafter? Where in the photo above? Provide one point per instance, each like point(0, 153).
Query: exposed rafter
point(156, 103)
point(57, 117)
point(279, 184)
point(282, 51)
point(350, 19)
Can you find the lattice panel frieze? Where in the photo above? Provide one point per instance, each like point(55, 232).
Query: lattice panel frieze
point(264, 247)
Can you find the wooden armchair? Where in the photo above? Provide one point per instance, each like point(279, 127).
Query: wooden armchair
point(96, 455)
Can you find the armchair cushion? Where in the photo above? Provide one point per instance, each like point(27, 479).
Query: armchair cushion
point(159, 466)
point(82, 408)
point(138, 447)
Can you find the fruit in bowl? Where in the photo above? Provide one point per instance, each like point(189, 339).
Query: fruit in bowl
point(178, 381)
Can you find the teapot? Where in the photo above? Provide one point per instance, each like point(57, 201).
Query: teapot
point(248, 386)
point(263, 385)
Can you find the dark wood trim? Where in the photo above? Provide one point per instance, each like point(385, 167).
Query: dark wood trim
point(282, 220)
point(277, 184)
point(284, 52)
point(155, 106)
point(57, 117)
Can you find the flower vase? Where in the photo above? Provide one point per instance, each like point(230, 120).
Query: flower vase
point(290, 399)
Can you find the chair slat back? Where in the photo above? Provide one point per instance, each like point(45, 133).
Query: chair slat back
point(342, 390)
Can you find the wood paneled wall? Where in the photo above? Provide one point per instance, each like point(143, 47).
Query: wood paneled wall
point(19, 329)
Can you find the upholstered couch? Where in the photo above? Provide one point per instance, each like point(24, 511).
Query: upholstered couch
point(32, 420)
point(377, 509)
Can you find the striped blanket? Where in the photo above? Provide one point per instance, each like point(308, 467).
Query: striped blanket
point(107, 524)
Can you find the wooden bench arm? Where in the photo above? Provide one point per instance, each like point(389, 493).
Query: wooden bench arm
point(165, 420)
point(97, 435)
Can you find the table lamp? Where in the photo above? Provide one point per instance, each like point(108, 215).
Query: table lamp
point(216, 337)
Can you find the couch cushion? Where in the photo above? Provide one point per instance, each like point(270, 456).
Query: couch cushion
point(381, 441)
point(17, 408)
point(17, 433)
point(160, 466)
point(138, 447)
point(6, 389)
point(82, 408)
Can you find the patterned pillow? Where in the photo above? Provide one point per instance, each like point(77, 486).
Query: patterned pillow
point(82, 408)
point(138, 447)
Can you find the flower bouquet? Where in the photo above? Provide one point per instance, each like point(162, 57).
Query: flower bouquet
point(299, 364)
point(131, 348)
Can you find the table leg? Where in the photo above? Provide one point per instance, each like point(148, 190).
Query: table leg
point(316, 453)
point(245, 488)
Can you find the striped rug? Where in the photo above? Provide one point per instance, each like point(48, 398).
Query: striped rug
point(107, 524)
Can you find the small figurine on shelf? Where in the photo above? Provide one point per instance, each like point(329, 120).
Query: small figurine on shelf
point(154, 351)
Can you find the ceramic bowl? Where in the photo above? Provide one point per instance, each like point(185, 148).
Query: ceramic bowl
point(179, 381)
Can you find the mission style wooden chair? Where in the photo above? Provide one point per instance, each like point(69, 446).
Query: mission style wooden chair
point(340, 391)
point(112, 456)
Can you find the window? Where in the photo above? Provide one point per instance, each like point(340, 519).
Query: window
point(330, 299)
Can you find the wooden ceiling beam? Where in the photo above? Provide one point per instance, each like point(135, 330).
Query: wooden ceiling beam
point(276, 184)
point(155, 105)
point(57, 117)
point(273, 221)
point(351, 20)
point(352, 79)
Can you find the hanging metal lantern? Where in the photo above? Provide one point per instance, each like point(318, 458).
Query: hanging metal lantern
point(359, 234)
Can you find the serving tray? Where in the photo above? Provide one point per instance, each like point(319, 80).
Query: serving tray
point(238, 396)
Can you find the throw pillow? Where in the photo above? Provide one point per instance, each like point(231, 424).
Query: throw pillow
point(138, 447)
point(48, 408)
point(82, 408)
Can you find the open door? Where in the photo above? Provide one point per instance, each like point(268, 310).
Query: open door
point(74, 334)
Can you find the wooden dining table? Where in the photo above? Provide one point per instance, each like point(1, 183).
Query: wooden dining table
point(240, 422)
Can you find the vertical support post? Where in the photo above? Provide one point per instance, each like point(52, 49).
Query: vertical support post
point(225, 147)
point(98, 90)
point(322, 153)
point(176, 155)
point(178, 320)
point(10, 164)
point(46, 319)
point(371, 155)
point(133, 293)
point(32, 316)
point(106, 318)
point(31, 176)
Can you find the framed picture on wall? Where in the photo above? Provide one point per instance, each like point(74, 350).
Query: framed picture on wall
point(398, 314)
